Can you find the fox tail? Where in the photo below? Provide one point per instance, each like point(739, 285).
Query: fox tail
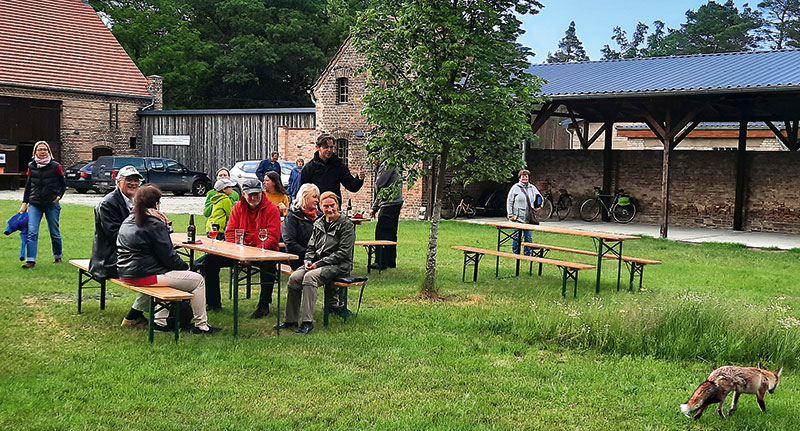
point(699, 398)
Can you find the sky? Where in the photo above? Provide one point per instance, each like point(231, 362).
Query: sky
point(595, 20)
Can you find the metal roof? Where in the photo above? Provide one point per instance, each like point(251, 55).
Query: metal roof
point(760, 71)
point(705, 125)
point(252, 111)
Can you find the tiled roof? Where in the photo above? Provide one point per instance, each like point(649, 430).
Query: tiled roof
point(63, 45)
point(688, 74)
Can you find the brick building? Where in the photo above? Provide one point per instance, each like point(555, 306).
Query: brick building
point(65, 79)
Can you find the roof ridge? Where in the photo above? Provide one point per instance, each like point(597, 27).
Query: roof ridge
point(712, 54)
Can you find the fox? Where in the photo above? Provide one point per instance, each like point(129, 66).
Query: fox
point(723, 380)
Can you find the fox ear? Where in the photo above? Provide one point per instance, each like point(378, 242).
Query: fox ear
point(760, 365)
point(778, 373)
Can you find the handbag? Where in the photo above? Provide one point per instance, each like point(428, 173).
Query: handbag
point(530, 213)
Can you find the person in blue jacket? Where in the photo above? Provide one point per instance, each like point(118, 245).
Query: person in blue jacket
point(294, 179)
point(268, 165)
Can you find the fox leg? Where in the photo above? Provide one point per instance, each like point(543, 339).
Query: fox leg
point(760, 398)
point(700, 411)
point(734, 403)
point(721, 405)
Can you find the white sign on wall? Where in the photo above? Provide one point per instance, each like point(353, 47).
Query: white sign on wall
point(2, 158)
point(171, 140)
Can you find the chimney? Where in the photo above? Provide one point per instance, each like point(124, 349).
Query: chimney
point(155, 85)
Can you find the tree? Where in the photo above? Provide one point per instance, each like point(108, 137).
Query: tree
point(717, 28)
point(658, 42)
point(446, 85)
point(782, 22)
point(570, 48)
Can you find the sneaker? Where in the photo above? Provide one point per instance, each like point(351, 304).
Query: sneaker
point(161, 328)
point(260, 312)
point(285, 325)
point(305, 328)
point(57, 260)
point(138, 323)
point(28, 264)
point(210, 330)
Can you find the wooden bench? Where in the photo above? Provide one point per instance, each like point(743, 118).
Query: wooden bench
point(373, 247)
point(344, 282)
point(84, 278)
point(161, 296)
point(569, 270)
point(635, 264)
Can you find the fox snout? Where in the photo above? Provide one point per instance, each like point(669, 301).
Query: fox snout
point(686, 410)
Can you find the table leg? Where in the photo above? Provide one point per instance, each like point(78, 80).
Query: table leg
point(278, 281)
point(236, 300)
point(497, 258)
point(599, 263)
point(177, 305)
point(151, 320)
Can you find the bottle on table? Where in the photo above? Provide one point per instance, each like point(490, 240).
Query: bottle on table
point(191, 230)
point(349, 211)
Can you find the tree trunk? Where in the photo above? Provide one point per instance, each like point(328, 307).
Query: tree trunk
point(429, 285)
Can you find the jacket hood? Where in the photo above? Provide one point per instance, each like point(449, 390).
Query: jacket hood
point(218, 197)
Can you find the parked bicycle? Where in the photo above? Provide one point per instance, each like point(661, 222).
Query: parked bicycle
point(562, 206)
point(622, 208)
point(455, 203)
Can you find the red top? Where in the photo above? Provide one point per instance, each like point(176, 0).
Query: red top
point(147, 280)
point(265, 215)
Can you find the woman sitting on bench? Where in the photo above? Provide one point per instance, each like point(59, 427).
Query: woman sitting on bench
point(146, 257)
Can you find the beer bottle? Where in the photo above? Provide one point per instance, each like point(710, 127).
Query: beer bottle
point(349, 208)
point(190, 230)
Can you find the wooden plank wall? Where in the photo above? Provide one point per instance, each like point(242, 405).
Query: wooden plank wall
point(218, 140)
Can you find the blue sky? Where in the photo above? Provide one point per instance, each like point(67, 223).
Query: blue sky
point(595, 19)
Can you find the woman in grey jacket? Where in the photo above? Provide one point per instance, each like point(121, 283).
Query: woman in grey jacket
point(522, 195)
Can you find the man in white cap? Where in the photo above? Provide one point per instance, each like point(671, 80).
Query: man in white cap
point(108, 216)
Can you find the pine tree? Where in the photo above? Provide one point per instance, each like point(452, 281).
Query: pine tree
point(570, 48)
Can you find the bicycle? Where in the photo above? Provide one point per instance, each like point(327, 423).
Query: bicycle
point(455, 203)
point(562, 206)
point(622, 208)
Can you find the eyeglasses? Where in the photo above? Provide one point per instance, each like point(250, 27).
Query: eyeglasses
point(133, 183)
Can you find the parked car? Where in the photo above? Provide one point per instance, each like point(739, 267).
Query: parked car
point(167, 174)
point(79, 176)
point(247, 169)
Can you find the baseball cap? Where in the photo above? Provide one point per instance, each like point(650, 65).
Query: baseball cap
point(128, 171)
point(251, 185)
point(222, 183)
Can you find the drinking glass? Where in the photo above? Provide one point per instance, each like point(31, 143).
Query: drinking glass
point(213, 234)
point(263, 235)
point(239, 237)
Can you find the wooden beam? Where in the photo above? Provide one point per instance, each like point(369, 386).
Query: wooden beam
point(681, 136)
point(596, 135)
point(655, 126)
point(668, 146)
point(547, 110)
point(608, 164)
point(582, 137)
point(778, 134)
point(741, 168)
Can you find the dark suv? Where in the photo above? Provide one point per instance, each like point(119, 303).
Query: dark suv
point(167, 174)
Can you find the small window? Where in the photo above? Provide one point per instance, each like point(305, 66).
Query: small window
point(157, 165)
point(133, 143)
point(341, 150)
point(341, 90)
point(173, 166)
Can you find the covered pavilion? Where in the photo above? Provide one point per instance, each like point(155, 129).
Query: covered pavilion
point(672, 95)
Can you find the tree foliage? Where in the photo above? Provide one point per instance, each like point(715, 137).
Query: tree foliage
point(446, 86)
point(781, 22)
point(231, 53)
point(570, 48)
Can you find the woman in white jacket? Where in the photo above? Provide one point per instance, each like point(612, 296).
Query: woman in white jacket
point(521, 195)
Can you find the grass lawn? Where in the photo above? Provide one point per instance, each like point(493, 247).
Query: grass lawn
point(505, 353)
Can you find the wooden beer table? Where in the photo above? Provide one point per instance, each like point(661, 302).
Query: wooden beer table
point(240, 254)
point(604, 242)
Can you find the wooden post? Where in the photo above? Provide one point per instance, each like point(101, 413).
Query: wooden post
point(668, 144)
point(607, 166)
point(741, 168)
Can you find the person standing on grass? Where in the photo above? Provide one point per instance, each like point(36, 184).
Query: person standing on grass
point(329, 255)
point(270, 165)
point(327, 172)
point(296, 227)
point(43, 191)
point(274, 191)
point(523, 199)
point(294, 179)
point(108, 217)
point(222, 173)
point(251, 214)
point(147, 257)
point(388, 210)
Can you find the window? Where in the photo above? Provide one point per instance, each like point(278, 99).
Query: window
point(113, 116)
point(133, 143)
point(173, 166)
point(341, 90)
point(157, 165)
point(341, 150)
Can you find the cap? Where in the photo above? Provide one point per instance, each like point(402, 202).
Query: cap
point(251, 185)
point(128, 171)
point(222, 183)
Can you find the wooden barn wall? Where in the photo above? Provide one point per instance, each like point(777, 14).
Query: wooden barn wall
point(218, 140)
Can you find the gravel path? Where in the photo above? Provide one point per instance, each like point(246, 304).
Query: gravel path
point(170, 204)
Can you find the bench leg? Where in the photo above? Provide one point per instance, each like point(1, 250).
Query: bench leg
point(235, 287)
point(474, 259)
point(151, 320)
point(563, 282)
point(567, 273)
point(326, 305)
point(80, 289)
point(360, 296)
point(636, 268)
point(249, 274)
point(102, 294)
point(177, 305)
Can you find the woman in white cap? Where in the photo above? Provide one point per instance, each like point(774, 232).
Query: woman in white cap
point(43, 191)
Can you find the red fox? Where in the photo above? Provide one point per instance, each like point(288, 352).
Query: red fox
point(740, 380)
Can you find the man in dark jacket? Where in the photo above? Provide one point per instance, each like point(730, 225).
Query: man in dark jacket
point(268, 165)
point(327, 171)
point(108, 216)
point(329, 255)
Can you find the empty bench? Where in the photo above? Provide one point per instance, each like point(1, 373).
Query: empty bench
point(344, 282)
point(161, 296)
point(374, 247)
point(635, 264)
point(569, 270)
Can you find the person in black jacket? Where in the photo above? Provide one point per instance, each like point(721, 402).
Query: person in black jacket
point(146, 257)
point(43, 191)
point(108, 217)
point(297, 226)
point(388, 210)
point(327, 172)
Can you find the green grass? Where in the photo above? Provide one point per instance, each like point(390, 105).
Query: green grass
point(505, 353)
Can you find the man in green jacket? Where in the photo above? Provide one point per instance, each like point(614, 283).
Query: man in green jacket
point(329, 255)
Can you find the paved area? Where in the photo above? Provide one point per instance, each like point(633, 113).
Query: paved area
point(170, 204)
point(678, 233)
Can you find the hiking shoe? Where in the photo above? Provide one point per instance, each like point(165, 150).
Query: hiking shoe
point(27, 265)
point(285, 325)
point(57, 260)
point(305, 328)
point(137, 323)
point(210, 330)
point(260, 312)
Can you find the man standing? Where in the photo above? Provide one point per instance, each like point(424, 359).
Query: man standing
point(388, 210)
point(523, 199)
point(108, 216)
point(252, 213)
point(327, 172)
point(268, 165)
point(329, 255)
